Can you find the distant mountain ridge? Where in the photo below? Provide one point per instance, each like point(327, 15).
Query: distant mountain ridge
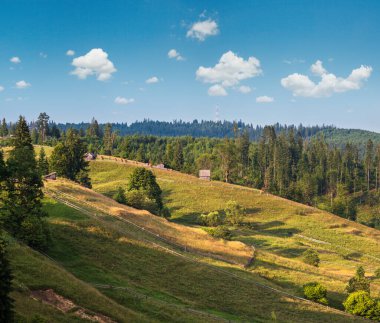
point(222, 129)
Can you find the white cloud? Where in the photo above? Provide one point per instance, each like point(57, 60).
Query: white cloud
point(317, 68)
point(244, 89)
point(123, 101)
point(43, 55)
point(203, 29)
point(264, 99)
point(70, 52)
point(173, 54)
point(95, 62)
point(152, 80)
point(15, 60)
point(217, 90)
point(22, 84)
point(2, 88)
point(230, 70)
point(302, 85)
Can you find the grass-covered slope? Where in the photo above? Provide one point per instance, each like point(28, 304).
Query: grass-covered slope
point(279, 229)
point(156, 278)
point(33, 271)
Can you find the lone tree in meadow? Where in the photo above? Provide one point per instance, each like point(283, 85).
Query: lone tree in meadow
point(143, 180)
point(68, 160)
point(23, 215)
point(358, 282)
point(6, 303)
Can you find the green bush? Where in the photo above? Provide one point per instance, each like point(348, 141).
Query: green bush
point(359, 282)
point(220, 232)
point(360, 303)
point(120, 197)
point(315, 292)
point(212, 219)
point(311, 257)
point(234, 213)
point(139, 199)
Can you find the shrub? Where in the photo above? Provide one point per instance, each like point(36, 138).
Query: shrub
point(212, 219)
point(220, 232)
point(315, 292)
point(120, 197)
point(311, 257)
point(359, 282)
point(360, 303)
point(234, 213)
point(139, 199)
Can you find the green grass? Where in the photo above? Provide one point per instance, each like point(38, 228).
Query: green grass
point(278, 228)
point(163, 286)
point(33, 271)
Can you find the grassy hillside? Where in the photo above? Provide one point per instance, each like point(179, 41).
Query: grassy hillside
point(279, 229)
point(33, 272)
point(158, 279)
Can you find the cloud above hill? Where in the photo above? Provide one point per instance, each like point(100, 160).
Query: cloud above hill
point(95, 62)
point(302, 85)
point(202, 29)
point(229, 71)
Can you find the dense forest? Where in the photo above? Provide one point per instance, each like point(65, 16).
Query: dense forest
point(297, 163)
point(211, 129)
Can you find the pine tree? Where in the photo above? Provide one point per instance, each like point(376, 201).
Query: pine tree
point(23, 215)
point(6, 303)
point(43, 126)
point(42, 163)
point(368, 160)
point(108, 139)
point(4, 128)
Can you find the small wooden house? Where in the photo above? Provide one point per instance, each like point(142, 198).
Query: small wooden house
point(205, 174)
point(51, 176)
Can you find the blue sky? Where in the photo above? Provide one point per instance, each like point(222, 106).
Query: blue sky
point(263, 62)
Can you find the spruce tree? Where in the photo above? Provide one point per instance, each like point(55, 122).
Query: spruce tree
point(23, 215)
point(42, 163)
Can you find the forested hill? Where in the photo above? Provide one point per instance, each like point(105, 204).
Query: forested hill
point(212, 129)
point(339, 137)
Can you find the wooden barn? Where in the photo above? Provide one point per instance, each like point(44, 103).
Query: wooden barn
point(205, 174)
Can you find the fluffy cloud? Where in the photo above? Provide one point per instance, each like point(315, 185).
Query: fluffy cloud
point(15, 60)
point(230, 70)
point(244, 89)
point(264, 99)
point(123, 101)
point(217, 90)
point(43, 55)
point(203, 29)
point(22, 84)
point(70, 52)
point(302, 85)
point(173, 54)
point(95, 62)
point(152, 80)
point(2, 88)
